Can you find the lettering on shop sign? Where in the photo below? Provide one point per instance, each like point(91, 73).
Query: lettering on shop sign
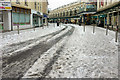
point(5, 6)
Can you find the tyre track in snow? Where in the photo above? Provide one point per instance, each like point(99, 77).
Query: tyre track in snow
point(48, 67)
point(16, 46)
point(16, 66)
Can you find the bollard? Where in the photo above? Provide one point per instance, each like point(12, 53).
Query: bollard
point(18, 29)
point(93, 28)
point(47, 25)
point(84, 27)
point(34, 28)
point(112, 27)
point(107, 29)
point(116, 36)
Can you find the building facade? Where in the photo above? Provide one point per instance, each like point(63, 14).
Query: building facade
point(44, 10)
point(108, 12)
point(74, 12)
point(67, 13)
point(25, 13)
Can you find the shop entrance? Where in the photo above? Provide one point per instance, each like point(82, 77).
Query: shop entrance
point(35, 20)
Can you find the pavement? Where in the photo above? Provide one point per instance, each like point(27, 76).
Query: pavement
point(65, 52)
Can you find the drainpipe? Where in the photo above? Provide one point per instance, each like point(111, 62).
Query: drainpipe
point(118, 19)
point(108, 19)
point(113, 20)
point(104, 21)
point(11, 21)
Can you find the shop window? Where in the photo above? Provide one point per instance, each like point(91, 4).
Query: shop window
point(22, 18)
point(1, 16)
point(27, 20)
point(15, 18)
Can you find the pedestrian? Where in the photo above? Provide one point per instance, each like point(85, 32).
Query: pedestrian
point(57, 23)
point(93, 21)
point(79, 23)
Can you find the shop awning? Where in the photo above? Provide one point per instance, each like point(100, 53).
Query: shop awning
point(100, 16)
point(88, 13)
point(65, 17)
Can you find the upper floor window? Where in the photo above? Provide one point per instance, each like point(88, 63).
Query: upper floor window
point(35, 5)
point(26, 3)
point(70, 13)
point(60, 14)
point(17, 2)
point(67, 13)
point(75, 11)
point(38, 6)
point(63, 13)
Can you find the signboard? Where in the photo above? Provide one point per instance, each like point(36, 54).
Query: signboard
point(5, 6)
point(45, 16)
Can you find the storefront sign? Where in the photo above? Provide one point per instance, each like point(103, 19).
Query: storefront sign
point(45, 16)
point(5, 6)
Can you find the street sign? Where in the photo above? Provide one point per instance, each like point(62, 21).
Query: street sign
point(5, 6)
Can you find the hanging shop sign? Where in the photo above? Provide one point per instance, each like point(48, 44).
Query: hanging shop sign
point(45, 15)
point(5, 6)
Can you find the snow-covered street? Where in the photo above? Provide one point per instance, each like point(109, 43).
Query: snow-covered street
point(60, 52)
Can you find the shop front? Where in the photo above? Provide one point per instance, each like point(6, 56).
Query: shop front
point(21, 18)
point(112, 18)
point(5, 16)
point(45, 19)
point(86, 12)
point(36, 19)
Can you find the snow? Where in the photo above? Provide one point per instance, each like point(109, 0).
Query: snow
point(37, 42)
point(13, 37)
point(84, 55)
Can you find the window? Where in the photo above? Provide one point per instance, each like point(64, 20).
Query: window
point(35, 5)
point(67, 13)
point(38, 6)
point(63, 13)
point(17, 2)
point(26, 3)
point(75, 12)
point(1, 16)
point(70, 13)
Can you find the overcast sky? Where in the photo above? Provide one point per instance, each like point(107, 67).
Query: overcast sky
point(57, 3)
